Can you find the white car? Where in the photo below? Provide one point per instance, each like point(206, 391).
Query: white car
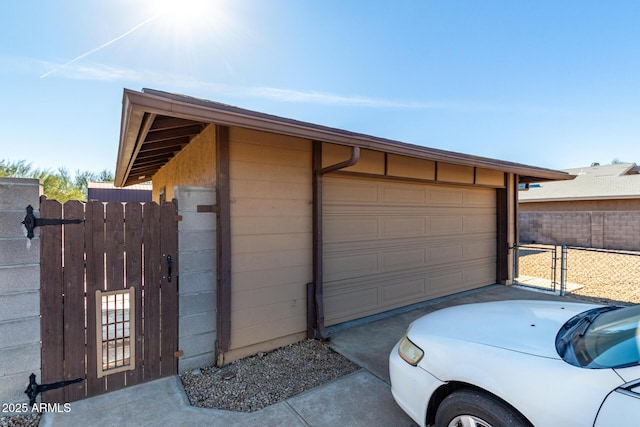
point(520, 363)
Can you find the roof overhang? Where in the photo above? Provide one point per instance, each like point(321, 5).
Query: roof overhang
point(156, 125)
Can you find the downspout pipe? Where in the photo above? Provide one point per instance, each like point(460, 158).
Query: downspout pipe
point(318, 330)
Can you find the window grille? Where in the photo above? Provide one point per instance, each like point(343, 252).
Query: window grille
point(115, 331)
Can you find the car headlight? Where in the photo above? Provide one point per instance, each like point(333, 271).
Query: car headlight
point(410, 353)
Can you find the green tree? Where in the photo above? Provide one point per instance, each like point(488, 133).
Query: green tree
point(58, 185)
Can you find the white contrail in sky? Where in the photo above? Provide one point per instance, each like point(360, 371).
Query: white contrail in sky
point(92, 51)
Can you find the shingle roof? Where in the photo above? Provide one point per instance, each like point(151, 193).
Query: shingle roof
point(619, 181)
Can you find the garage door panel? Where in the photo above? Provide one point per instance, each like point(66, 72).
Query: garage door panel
point(350, 265)
point(350, 300)
point(480, 223)
point(412, 243)
point(405, 291)
point(403, 226)
point(446, 281)
point(408, 258)
point(348, 229)
point(478, 250)
point(445, 254)
point(480, 275)
point(350, 304)
point(350, 191)
point(473, 197)
point(446, 225)
point(446, 196)
point(407, 194)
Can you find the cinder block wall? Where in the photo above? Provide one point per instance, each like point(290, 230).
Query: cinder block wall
point(596, 229)
point(19, 290)
point(197, 282)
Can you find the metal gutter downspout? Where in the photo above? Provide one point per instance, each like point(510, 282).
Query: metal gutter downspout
point(316, 290)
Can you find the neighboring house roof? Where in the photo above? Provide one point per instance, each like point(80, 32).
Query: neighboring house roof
point(156, 125)
point(618, 181)
point(109, 185)
point(107, 192)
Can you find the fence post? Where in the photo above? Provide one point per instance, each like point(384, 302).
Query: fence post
point(554, 268)
point(563, 270)
point(515, 272)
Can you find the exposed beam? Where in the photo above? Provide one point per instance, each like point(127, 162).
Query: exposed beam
point(166, 122)
point(144, 154)
point(164, 144)
point(163, 135)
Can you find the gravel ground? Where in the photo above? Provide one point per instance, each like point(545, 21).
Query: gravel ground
point(606, 276)
point(258, 381)
point(31, 420)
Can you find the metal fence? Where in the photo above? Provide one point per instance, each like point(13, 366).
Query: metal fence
point(599, 274)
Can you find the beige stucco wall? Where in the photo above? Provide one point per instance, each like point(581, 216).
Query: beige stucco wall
point(194, 166)
point(271, 240)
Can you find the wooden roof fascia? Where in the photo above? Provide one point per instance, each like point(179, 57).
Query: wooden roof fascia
point(134, 145)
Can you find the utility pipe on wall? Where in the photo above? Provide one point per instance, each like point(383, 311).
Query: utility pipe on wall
point(317, 331)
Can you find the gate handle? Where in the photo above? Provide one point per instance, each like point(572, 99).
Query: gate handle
point(169, 264)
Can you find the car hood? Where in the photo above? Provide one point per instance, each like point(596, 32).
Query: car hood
point(523, 326)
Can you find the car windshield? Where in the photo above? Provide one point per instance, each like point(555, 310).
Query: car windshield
point(605, 337)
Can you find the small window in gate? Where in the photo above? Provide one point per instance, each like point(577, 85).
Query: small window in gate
point(115, 331)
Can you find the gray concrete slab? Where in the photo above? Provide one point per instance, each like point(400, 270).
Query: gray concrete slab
point(358, 399)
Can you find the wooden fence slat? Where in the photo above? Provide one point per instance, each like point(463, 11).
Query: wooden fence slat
point(52, 320)
point(133, 242)
point(151, 291)
point(169, 295)
point(74, 300)
point(114, 249)
point(94, 238)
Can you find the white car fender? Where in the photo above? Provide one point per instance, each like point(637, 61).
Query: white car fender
point(564, 394)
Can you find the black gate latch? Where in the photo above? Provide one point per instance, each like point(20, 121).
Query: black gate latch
point(34, 388)
point(31, 222)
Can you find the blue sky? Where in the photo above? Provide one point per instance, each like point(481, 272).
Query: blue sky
point(545, 83)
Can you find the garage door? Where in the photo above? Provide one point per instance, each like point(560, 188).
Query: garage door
point(388, 244)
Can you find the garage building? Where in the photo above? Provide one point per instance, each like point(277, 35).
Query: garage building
point(290, 227)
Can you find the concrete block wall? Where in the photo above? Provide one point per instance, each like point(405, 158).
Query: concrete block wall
point(596, 229)
point(622, 230)
point(19, 290)
point(197, 282)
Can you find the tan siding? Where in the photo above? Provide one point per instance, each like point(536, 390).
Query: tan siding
point(389, 244)
point(270, 238)
point(194, 166)
point(409, 167)
point(489, 177)
point(455, 173)
point(369, 162)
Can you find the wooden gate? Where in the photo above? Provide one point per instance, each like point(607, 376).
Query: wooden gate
point(109, 296)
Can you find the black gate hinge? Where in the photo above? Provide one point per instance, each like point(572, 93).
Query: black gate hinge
point(33, 389)
point(31, 222)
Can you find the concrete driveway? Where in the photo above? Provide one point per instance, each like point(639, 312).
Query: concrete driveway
point(368, 342)
point(359, 399)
